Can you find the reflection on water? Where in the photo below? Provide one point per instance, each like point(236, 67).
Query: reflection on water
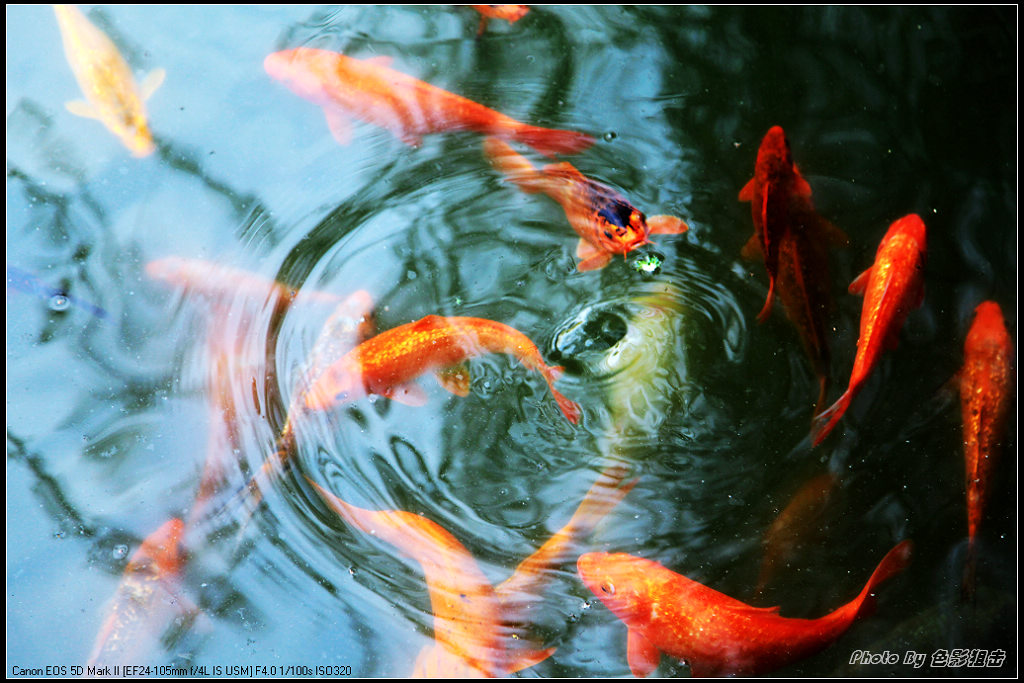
point(135, 399)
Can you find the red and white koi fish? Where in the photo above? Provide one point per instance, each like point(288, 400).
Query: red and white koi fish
point(148, 600)
point(605, 221)
point(986, 397)
point(715, 634)
point(388, 363)
point(471, 617)
point(409, 108)
point(107, 82)
point(892, 287)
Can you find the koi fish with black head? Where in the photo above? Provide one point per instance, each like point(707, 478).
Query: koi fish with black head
point(605, 220)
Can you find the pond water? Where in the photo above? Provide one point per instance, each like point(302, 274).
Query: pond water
point(125, 392)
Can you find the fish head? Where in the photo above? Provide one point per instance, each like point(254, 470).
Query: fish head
point(626, 584)
point(160, 553)
point(773, 156)
point(620, 227)
point(302, 69)
point(911, 227)
point(988, 315)
point(341, 382)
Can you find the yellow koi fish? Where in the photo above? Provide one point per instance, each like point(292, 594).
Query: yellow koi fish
point(107, 82)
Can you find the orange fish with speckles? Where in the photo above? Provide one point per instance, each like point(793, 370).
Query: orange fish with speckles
point(472, 619)
point(409, 108)
point(714, 634)
point(605, 221)
point(147, 602)
point(986, 388)
point(892, 287)
point(388, 363)
point(107, 82)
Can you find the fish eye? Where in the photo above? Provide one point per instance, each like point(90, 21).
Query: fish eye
point(608, 235)
point(608, 588)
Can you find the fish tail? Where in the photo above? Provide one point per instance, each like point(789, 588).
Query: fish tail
point(894, 562)
point(550, 142)
point(766, 310)
point(513, 166)
point(826, 421)
point(570, 409)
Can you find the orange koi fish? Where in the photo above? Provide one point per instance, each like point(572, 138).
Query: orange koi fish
point(148, 599)
point(471, 617)
point(510, 13)
point(408, 107)
point(218, 281)
point(107, 82)
point(892, 287)
point(986, 386)
point(776, 192)
point(713, 633)
point(387, 364)
point(605, 221)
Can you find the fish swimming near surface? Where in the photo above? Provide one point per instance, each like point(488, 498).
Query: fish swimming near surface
point(780, 201)
point(605, 221)
point(149, 600)
point(716, 635)
point(220, 282)
point(388, 363)
point(892, 287)
point(473, 619)
point(107, 82)
point(510, 13)
point(796, 525)
point(986, 396)
point(410, 108)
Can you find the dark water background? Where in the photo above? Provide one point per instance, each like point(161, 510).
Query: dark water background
point(889, 111)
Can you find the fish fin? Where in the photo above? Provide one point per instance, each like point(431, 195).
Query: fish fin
point(802, 188)
point(482, 26)
point(860, 283)
point(514, 166)
point(666, 225)
point(550, 142)
point(752, 249)
point(410, 394)
point(411, 140)
point(339, 125)
point(380, 60)
point(894, 562)
point(153, 80)
point(763, 610)
point(747, 193)
point(430, 322)
point(83, 109)
point(455, 378)
point(823, 423)
point(591, 257)
point(527, 658)
point(766, 310)
point(643, 656)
